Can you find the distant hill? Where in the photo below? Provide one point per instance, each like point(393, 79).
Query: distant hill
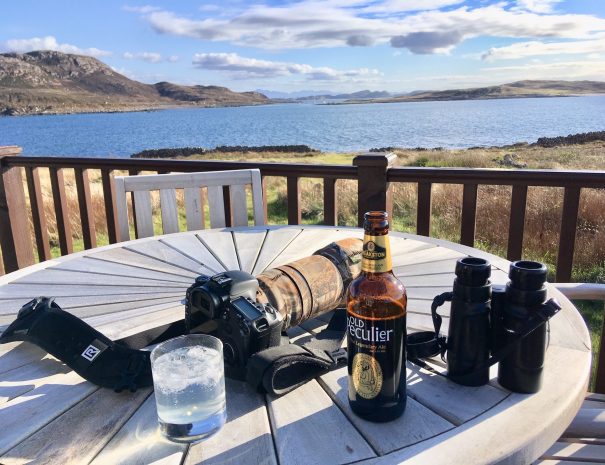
point(276, 94)
point(517, 89)
point(46, 82)
point(365, 94)
point(359, 95)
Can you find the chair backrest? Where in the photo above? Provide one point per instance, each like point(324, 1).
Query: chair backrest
point(191, 183)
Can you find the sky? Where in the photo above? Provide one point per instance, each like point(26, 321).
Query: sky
point(321, 45)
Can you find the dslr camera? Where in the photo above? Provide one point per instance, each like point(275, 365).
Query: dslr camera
point(226, 306)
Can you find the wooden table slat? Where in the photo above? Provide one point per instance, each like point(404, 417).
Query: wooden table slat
point(416, 424)
point(309, 428)
point(246, 437)
point(122, 328)
point(131, 258)
point(426, 256)
point(452, 401)
point(161, 251)
point(75, 304)
point(24, 291)
point(123, 269)
point(39, 407)
point(248, 244)
point(77, 436)
point(518, 416)
point(17, 354)
point(307, 242)
point(275, 242)
point(223, 246)
point(18, 382)
point(191, 246)
point(52, 276)
point(139, 441)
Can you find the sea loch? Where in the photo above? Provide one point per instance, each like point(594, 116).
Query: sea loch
point(449, 124)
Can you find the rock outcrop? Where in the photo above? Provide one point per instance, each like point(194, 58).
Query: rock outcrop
point(45, 82)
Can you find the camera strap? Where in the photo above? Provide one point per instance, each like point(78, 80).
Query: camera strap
point(281, 369)
point(85, 350)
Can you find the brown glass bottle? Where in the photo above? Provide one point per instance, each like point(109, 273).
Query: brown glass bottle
point(376, 329)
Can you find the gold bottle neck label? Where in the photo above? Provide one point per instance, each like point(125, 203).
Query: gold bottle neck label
point(376, 255)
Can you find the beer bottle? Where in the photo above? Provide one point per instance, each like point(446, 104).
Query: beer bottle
point(376, 329)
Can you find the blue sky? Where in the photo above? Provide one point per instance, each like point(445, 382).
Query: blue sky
point(335, 45)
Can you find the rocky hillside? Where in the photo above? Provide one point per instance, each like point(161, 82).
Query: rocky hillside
point(47, 82)
point(519, 89)
point(208, 95)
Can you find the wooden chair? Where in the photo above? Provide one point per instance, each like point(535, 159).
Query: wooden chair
point(584, 440)
point(191, 183)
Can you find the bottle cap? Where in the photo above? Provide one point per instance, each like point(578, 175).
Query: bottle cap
point(527, 275)
point(473, 271)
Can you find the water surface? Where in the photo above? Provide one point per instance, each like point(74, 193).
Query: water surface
point(453, 124)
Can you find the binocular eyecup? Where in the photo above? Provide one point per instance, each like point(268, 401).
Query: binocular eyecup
point(527, 275)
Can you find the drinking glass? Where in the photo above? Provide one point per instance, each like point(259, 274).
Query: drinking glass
point(189, 384)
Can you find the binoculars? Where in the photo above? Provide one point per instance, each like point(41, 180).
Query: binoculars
point(505, 324)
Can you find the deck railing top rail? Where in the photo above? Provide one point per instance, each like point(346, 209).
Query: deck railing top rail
point(496, 176)
point(155, 164)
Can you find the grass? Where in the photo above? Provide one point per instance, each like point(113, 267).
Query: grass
point(543, 215)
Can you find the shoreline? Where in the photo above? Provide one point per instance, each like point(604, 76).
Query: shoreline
point(160, 107)
point(542, 142)
point(88, 111)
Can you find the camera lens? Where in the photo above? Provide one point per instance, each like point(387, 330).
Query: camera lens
point(527, 275)
point(473, 271)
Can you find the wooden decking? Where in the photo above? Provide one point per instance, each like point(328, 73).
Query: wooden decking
point(584, 440)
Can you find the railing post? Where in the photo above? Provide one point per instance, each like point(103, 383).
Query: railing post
point(15, 235)
point(567, 237)
point(373, 189)
point(469, 215)
point(293, 190)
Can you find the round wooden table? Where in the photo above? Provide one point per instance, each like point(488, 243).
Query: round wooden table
point(48, 414)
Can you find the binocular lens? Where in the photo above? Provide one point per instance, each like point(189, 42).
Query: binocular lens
point(527, 275)
point(472, 271)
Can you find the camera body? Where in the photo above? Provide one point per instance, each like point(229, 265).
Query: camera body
point(225, 305)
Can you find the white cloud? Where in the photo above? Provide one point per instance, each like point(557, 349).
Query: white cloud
point(401, 6)
point(537, 6)
point(537, 48)
point(49, 43)
point(141, 9)
point(209, 7)
point(150, 57)
point(496, 75)
point(337, 23)
point(244, 68)
point(566, 70)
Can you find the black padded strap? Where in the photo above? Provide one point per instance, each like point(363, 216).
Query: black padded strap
point(88, 352)
point(281, 369)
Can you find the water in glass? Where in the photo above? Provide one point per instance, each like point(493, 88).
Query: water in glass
point(189, 382)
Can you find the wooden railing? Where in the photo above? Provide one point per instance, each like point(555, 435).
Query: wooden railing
point(374, 173)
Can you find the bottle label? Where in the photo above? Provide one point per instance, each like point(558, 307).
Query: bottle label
point(376, 255)
point(366, 375)
point(376, 349)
